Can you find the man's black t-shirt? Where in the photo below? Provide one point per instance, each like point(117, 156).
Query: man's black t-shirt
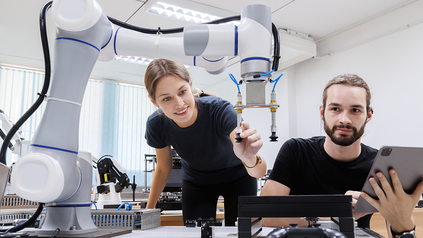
point(305, 167)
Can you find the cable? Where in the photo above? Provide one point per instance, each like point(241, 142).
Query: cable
point(28, 222)
point(95, 206)
point(33, 108)
point(276, 47)
point(267, 73)
point(276, 81)
point(11, 228)
point(166, 31)
point(129, 205)
point(6, 224)
point(234, 80)
point(2, 135)
point(46, 85)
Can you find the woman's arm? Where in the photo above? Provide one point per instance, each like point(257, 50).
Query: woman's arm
point(248, 149)
point(161, 175)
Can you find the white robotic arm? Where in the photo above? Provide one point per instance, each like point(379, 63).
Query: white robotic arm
point(53, 172)
point(205, 45)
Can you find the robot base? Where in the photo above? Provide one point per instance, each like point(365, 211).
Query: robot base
point(70, 221)
point(110, 198)
point(101, 233)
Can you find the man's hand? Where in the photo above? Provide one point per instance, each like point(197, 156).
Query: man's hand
point(355, 195)
point(395, 205)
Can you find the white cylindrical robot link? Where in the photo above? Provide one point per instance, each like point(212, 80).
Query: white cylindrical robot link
point(74, 15)
point(255, 21)
point(210, 40)
point(212, 65)
point(39, 177)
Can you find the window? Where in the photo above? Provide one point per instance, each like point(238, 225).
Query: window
point(112, 122)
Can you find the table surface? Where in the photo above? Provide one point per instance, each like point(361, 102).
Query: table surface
point(178, 231)
point(219, 232)
point(377, 223)
point(187, 232)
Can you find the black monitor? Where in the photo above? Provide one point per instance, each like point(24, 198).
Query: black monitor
point(174, 183)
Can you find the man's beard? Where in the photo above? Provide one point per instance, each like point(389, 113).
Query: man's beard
point(344, 140)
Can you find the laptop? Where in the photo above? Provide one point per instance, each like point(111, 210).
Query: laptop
point(407, 162)
point(4, 174)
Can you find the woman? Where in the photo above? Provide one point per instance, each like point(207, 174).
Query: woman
point(202, 131)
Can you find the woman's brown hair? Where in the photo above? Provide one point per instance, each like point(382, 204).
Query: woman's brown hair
point(159, 68)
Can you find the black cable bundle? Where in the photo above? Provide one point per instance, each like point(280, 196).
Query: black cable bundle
point(32, 109)
point(46, 85)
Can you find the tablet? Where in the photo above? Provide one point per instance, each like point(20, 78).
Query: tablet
point(407, 162)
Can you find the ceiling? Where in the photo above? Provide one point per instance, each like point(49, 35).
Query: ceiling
point(20, 41)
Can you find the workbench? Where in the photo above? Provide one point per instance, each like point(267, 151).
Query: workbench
point(377, 223)
point(187, 232)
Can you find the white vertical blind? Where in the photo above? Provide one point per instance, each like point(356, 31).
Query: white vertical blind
point(112, 122)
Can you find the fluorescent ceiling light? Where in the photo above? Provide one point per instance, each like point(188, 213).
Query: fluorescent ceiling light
point(175, 12)
point(136, 60)
point(184, 14)
point(133, 59)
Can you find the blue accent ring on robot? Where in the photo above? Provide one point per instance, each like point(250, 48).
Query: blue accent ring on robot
point(80, 41)
point(54, 148)
point(236, 41)
point(213, 61)
point(114, 41)
point(255, 58)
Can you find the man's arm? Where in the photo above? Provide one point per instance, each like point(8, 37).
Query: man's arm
point(273, 188)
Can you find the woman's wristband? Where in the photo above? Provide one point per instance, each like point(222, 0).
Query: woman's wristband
point(258, 161)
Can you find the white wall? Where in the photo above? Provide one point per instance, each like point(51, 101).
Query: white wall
point(393, 68)
point(391, 62)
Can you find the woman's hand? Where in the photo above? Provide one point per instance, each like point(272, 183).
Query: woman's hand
point(249, 147)
point(247, 150)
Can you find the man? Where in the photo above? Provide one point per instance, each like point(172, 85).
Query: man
point(339, 163)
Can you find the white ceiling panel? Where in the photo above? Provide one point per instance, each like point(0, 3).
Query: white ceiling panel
point(324, 17)
point(20, 38)
point(121, 9)
point(237, 5)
